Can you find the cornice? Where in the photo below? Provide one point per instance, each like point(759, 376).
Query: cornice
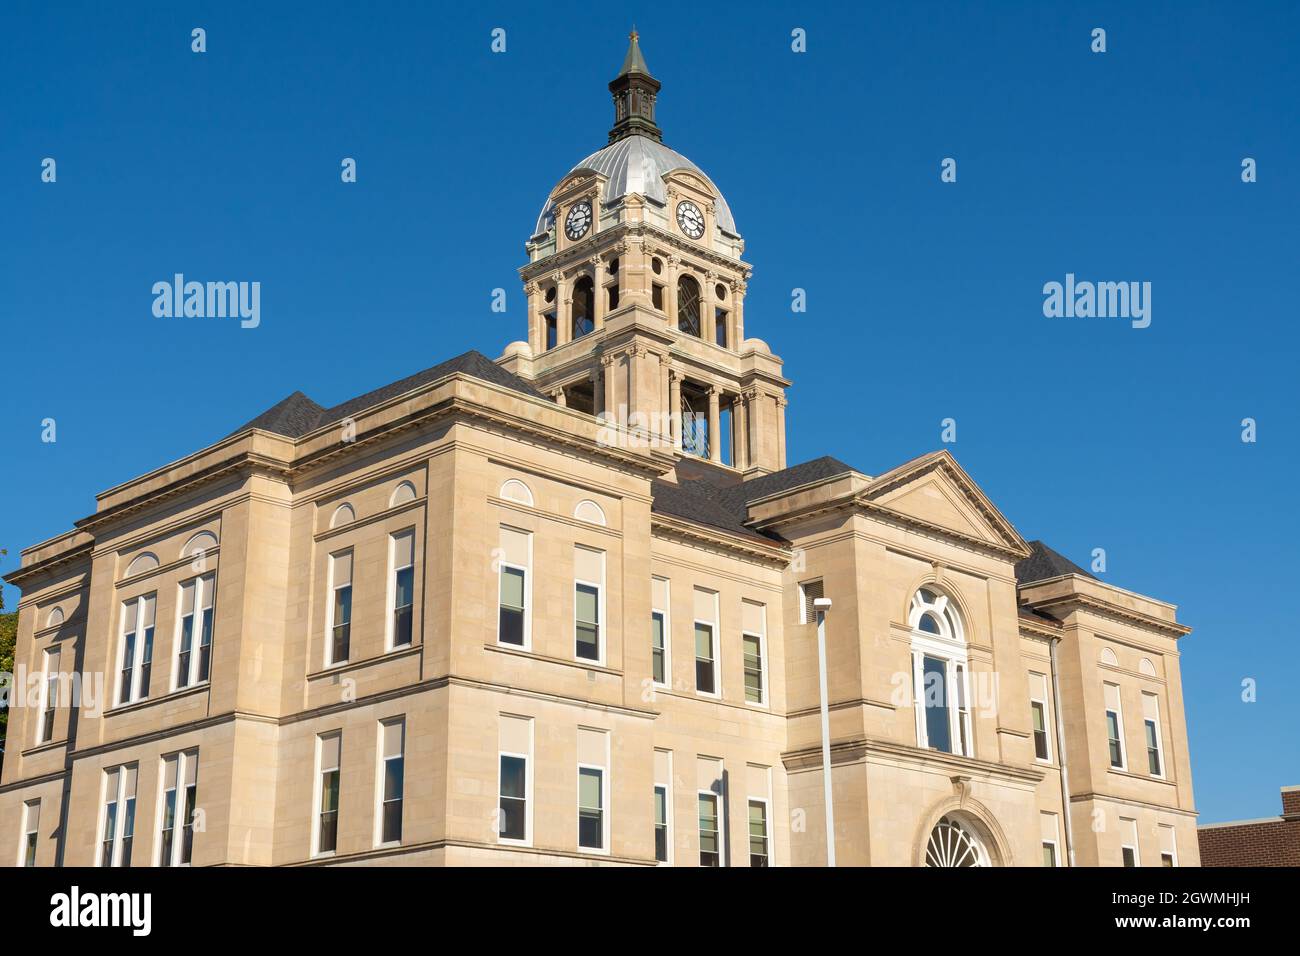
point(668, 526)
point(861, 748)
point(1077, 601)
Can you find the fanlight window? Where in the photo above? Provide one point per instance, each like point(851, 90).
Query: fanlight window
point(933, 613)
point(516, 490)
point(1108, 657)
point(940, 675)
point(402, 494)
point(55, 618)
point(203, 541)
point(587, 510)
point(953, 843)
point(343, 515)
point(144, 562)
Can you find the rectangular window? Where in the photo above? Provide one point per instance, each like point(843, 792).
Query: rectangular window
point(31, 832)
point(119, 815)
point(193, 662)
point(176, 814)
point(329, 752)
point(551, 328)
point(1051, 839)
point(710, 854)
point(589, 580)
point(663, 805)
point(1168, 847)
point(661, 824)
point(136, 658)
point(809, 591)
point(338, 641)
point(1129, 845)
point(659, 662)
point(757, 833)
point(516, 549)
point(657, 296)
point(753, 639)
point(392, 739)
point(706, 647)
point(1151, 724)
point(934, 676)
point(49, 695)
point(593, 758)
point(720, 327)
point(515, 736)
point(403, 551)
point(1038, 711)
point(1114, 726)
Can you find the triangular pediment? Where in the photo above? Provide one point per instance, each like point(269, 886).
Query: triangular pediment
point(934, 491)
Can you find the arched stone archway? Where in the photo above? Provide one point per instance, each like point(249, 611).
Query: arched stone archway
point(960, 831)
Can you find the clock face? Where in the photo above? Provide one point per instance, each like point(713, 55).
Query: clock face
point(690, 219)
point(578, 221)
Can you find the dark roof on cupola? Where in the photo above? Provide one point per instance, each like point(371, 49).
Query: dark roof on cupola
point(298, 415)
point(1043, 564)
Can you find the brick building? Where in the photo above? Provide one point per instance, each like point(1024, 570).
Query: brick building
point(1272, 841)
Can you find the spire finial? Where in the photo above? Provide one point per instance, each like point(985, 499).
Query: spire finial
point(634, 92)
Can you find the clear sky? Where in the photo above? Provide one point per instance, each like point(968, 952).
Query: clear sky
point(924, 298)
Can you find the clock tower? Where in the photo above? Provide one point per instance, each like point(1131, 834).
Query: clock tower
point(636, 294)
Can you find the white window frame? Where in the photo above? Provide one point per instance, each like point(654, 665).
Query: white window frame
point(528, 793)
point(137, 661)
point(603, 849)
point(329, 606)
point(667, 682)
point(950, 648)
point(764, 697)
point(767, 827)
point(1129, 827)
point(1160, 737)
point(1047, 714)
point(390, 630)
point(47, 685)
point(1172, 852)
point(380, 775)
point(183, 758)
point(502, 565)
point(602, 619)
point(28, 830)
point(667, 787)
point(203, 583)
point(715, 626)
point(1119, 726)
point(119, 813)
point(1056, 838)
point(719, 805)
point(318, 789)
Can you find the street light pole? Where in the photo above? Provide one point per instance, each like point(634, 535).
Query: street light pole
point(823, 605)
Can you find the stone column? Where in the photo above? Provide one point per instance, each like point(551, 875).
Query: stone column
point(670, 294)
point(715, 440)
point(675, 406)
point(752, 419)
point(780, 431)
point(607, 373)
point(738, 312)
point(707, 308)
point(563, 310)
point(599, 295)
point(558, 395)
point(536, 336)
point(740, 433)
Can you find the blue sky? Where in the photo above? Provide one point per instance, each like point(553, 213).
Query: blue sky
point(924, 298)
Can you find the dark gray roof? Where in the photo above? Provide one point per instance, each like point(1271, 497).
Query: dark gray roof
point(718, 500)
point(297, 415)
point(1043, 563)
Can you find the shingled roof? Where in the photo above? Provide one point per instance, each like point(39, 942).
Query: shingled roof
point(297, 415)
point(1043, 563)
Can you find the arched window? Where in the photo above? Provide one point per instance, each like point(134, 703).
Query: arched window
point(1146, 667)
point(587, 510)
point(516, 490)
point(940, 674)
point(55, 618)
point(343, 514)
point(402, 494)
point(1108, 657)
point(142, 563)
point(203, 541)
point(688, 305)
point(955, 843)
point(584, 307)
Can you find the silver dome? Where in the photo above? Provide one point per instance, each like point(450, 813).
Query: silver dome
point(637, 164)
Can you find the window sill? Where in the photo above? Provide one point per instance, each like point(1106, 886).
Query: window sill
point(344, 666)
point(44, 747)
point(146, 702)
point(514, 651)
point(1120, 772)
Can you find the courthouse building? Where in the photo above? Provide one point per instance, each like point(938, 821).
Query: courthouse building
point(558, 608)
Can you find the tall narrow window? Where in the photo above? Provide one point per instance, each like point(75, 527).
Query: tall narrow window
point(706, 651)
point(659, 631)
point(710, 852)
point(49, 695)
point(584, 307)
point(392, 765)
point(591, 812)
point(194, 654)
point(136, 659)
point(551, 330)
point(1151, 724)
point(663, 805)
point(514, 783)
point(1051, 839)
point(516, 558)
point(688, 305)
point(940, 674)
point(1129, 842)
point(1168, 846)
point(329, 752)
point(1114, 726)
point(720, 327)
point(1038, 713)
point(757, 833)
point(809, 592)
point(403, 548)
point(339, 640)
point(589, 575)
point(179, 800)
point(935, 695)
point(753, 620)
point(119, 815)
point(31, 832)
